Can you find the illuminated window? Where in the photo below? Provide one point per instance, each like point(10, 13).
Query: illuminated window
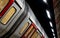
point(7, 17)
point(3, 3)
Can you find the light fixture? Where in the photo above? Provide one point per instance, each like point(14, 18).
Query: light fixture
point(52, 30)
point(48, 14)
point(54, 37)
point(53, 34)
point(45, 1)
point(51, 24)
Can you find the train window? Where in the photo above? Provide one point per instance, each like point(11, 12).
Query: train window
point(3, 3)
point(39, 36)
point(28, 31)
point(24, 27)
point(7, 17)
point(34, 35)
point(4, 6)
point(31, 33)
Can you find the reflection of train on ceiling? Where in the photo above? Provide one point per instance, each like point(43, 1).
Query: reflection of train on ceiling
point(17, 20)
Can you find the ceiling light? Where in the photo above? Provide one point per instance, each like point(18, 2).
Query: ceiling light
point(48, 14)
point(45, 1)
point(51, 24)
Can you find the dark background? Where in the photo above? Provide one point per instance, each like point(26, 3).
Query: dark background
point(39, 9)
